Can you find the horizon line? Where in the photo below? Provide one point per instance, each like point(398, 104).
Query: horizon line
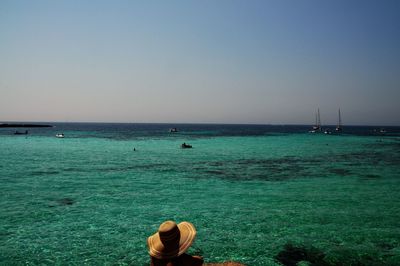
point(195, 123)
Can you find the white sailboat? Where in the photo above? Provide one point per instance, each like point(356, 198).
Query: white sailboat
point(317, 127)
point(339, 125)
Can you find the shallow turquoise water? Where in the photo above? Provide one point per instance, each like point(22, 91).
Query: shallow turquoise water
point(90, 200)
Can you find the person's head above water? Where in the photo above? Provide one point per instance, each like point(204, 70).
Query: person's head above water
point(171, 240)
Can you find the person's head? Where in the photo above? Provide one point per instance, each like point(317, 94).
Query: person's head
point(171, 240)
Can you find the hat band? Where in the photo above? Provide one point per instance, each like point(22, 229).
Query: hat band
point(168, 236)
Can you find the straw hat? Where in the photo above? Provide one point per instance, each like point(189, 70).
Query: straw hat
point(171, 240)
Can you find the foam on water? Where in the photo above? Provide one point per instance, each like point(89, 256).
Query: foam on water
point(256, 198)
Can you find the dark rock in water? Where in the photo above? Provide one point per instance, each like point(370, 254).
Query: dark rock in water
point(371, 176)
point(66, 201)
point(292, 255)
point(386, 246)
point(340, 171)
point(215, 172)
point(62, 202)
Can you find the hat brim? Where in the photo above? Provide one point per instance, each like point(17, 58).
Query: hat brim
point(159, 251)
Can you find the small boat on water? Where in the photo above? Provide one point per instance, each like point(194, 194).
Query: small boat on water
point(173, 130)
point(60, 135)
point(186, 146)
point(21, 133)
point(327, 131)
point(380, 131)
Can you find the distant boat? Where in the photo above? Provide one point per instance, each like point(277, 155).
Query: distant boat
point(317, 127)
point(173, 130)
point(380, 131)
point(327, 131)
point(339, 125)
point(186, 146)
point(60, 135)
point(21, 133)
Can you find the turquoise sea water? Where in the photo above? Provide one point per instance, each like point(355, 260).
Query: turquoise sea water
point(257, 195)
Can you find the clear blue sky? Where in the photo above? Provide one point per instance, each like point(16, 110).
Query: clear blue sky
point(200, 61)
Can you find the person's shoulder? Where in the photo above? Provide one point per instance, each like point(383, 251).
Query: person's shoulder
point(228, 263)
point(191, 260)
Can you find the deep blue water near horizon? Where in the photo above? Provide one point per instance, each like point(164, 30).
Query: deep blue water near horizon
point(131, 130)
point(257, 194)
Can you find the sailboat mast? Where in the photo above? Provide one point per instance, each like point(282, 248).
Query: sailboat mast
point(317, 126)
point(339, 126)
point(316, 119)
